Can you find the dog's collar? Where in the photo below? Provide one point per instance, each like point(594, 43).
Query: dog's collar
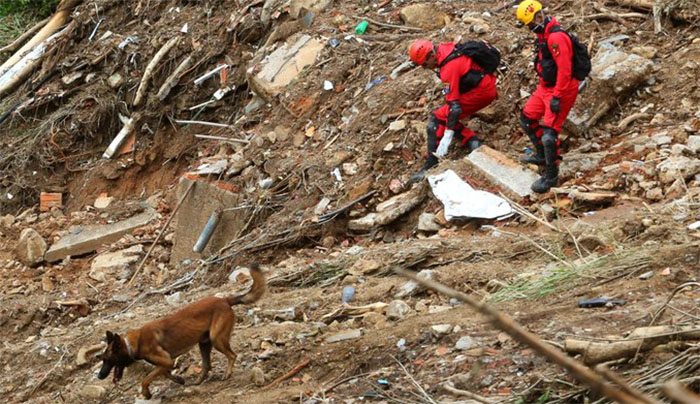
point(128, 347)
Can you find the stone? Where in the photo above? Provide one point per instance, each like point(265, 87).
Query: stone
point(395, 186)
point(441, 329)
point(648, 52)
point(514, 179)
point(108, 265)
point(374, 320)
point(283, 65)
point(316, 6)
point(257, 376)
point(615, 74)
point(655, 194)
point(144, 401)
point(175, 299)
point(676, 190)
point(410, 288)
point(694, 143)
point(103, 202)
point(116, 80)
point(396, 126)
point(31, 247)
point(8, 220)
point(434, 309)
point(426, 223)
point(599, 198)
point(677, 167)
point(349, 168)
point(464, 343)
point(344, 336)
point(364, 267)
point(47, 284)
point(424, 15)
point(298, 139)
point(390, 210)
point(90, 238)
point(71, 78)
point(397, 310)
point(93, 391)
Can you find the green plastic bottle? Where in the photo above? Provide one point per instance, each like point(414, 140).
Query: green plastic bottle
point(361, 27)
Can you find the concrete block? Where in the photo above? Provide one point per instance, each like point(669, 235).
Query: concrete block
point(284, 65)
point(614, 75)
point(91, 238)
point(194, 213)
point(390, 210)
point(514, 179)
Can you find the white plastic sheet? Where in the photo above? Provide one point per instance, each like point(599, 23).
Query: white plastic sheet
point(463, 201)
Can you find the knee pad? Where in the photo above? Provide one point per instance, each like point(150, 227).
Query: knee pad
point(549, 137)
point(433, 126)
point(528, 125)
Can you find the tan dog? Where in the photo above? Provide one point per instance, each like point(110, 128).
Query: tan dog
point(207, 322)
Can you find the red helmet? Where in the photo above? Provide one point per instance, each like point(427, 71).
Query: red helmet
point(419, 51)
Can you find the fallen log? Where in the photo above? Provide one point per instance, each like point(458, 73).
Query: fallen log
point(521, 334)
point(151, 66)
point(19, 71)
point(641, 340)
point(674, 390)
point(55, 22)
point(174, 78)
point(23, 38)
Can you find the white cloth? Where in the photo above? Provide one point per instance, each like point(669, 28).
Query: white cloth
point(445, 143)
point(461, 200)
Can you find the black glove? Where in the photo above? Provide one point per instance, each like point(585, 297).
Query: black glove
point(555, 104)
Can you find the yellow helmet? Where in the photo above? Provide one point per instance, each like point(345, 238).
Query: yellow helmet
point(527, 10)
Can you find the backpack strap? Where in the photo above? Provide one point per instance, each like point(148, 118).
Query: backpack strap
point(452, 56)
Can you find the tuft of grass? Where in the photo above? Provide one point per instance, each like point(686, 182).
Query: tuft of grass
point(16, 16)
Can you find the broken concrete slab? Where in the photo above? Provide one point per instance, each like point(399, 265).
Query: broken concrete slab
point(283, 65)
point(344, 336)
point(109, 264)
point(189, 221)
point(615, 74)
point(90, 238)
point(514, 179)
point(390, 210)
point(597, 198)
point(677, 167)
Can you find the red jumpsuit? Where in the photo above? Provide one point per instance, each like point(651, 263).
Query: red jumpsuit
point(566, 87)
point(472, 101)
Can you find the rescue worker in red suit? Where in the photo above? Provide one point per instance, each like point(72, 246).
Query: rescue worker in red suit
point(547, 108)
point(445, 121)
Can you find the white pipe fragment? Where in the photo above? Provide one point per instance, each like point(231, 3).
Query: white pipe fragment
point(121, 136)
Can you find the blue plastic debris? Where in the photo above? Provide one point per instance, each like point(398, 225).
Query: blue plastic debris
point(375, 81)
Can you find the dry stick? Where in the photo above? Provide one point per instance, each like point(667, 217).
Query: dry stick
point(675, 391)
point(289, 374)
point(174, 78)
point(162, 230)
point(521, 210)
point(658, 28)
point(625, 122)
point(19, 41)
point(676, 290)
point(467, 394)
point(151, 66)
point(520, 334)
point(615, 378)
point(415, 383)
point(46, 376)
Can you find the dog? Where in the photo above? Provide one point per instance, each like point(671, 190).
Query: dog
point(207, 322)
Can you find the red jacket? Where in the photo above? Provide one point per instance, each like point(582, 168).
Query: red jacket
point(452, 72)
point(561, 49)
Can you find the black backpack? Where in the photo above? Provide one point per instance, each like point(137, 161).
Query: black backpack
point(485, 55)
point(581, 60)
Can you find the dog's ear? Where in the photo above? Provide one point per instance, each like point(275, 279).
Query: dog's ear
point(110, 336)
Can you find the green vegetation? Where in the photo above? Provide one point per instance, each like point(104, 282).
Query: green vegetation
point(16, 16)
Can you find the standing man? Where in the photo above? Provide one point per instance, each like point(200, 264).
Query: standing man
point(555, 95)
point(467, 88)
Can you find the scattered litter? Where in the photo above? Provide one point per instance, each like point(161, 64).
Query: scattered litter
point(463, 201)
point(208, 230)
point(599, 302)
point(94, 31)
point(389, 146)
point(220, 93)
point(216, 168)
point(184, 28)
point(588, 213)
point(666, 272)
point(646, 275)
point(348, 294)
point(383, 382)
point(400, 68)
point(334, 43)
point(209, 74)
point(336, 174)
point(401, 344)
point(694, 226)
point(361, 27)
point(265, 183)
point(327, 85)
point(374, 82)
point(130, 39)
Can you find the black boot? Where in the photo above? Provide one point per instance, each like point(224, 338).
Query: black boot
point(473, 143)
point(536, 158)
point(551, 171)
point(429, 163)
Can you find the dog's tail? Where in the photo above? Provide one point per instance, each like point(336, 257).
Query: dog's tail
point(255, 292)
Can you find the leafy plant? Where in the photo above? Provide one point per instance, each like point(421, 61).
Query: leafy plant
point(37, 8)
